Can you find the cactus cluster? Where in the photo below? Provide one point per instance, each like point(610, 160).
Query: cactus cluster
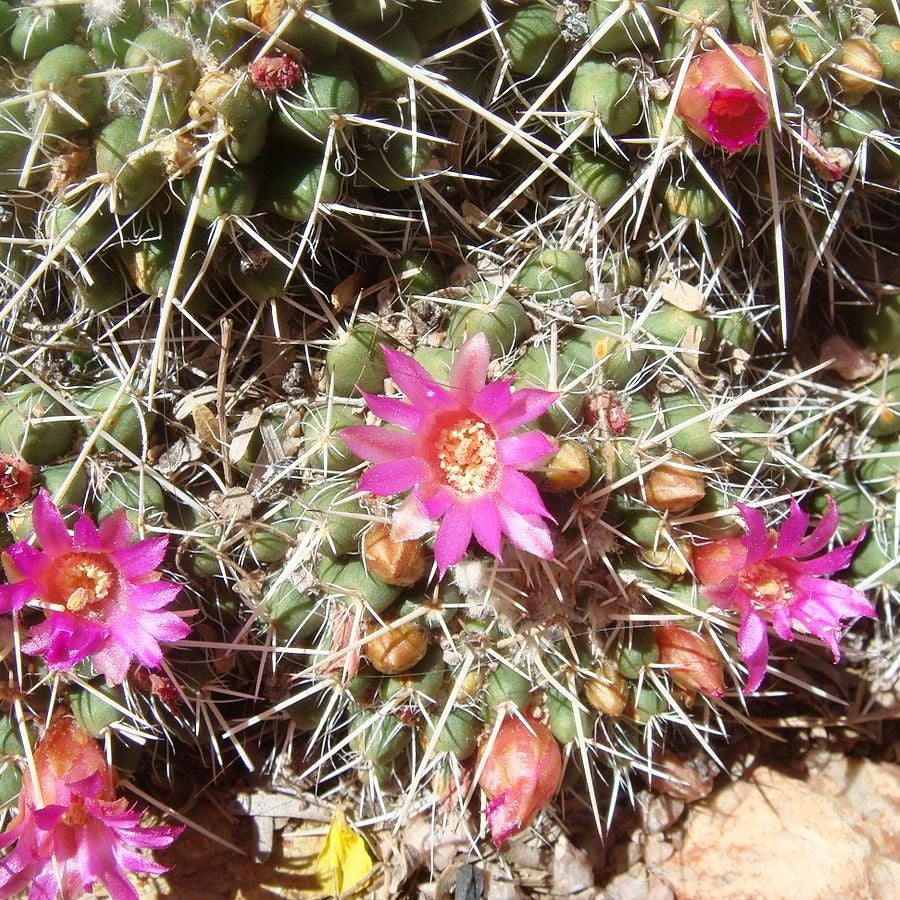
point(221, 221)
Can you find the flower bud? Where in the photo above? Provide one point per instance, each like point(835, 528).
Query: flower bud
point(692, 660)
point(722, 101)
point(401, 563)
point(521, 774)
point(674, 486)
point(398, 649)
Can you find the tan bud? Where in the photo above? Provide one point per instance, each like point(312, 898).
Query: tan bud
point(568, 469)
point(398, 649)
point(674, 486)
point(607, 691)
point(400, 563)
point(860, 67)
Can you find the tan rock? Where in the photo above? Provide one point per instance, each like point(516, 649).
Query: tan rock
point(773, 836)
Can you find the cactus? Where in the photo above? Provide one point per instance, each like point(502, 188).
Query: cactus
point(233, 234)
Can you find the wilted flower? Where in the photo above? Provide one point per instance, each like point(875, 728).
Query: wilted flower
point(15, 482)
point(71, 832)
point(775, 577)
point(722, 101)
point(521, 775)
point(101, 593)
point(274, 73)
point(459, 455)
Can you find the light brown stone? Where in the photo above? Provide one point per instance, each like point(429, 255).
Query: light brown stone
point(772, 837)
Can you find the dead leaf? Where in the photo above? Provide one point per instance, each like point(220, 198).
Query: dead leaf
point(244, 434)
point(235, 503)
point(343, 864)
point(681, 294)
point(181, 453)
point(346, 291)
point(206, 426)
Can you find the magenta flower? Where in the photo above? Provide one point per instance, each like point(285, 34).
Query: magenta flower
point(101, 594)
point(71, 833)
point(775, 577)
point(458, 452)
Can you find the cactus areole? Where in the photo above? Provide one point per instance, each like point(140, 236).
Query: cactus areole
point(460, 454)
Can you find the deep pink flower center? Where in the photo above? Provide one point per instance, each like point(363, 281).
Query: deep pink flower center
point(466, 452)
point(81, 582)
point(735, 117)
point(766, 584)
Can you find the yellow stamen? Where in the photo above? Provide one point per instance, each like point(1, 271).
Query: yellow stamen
point(467, 456)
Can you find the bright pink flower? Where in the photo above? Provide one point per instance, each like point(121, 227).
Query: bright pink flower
point(71, 832)
point(103, 596)
point(458, 452)
point(521, 775)
point(774, 577)
point(721, 101)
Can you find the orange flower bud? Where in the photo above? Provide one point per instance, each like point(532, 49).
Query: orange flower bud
point(722, 101)
point(692, 661)
point(674, 486)
point(521, 775)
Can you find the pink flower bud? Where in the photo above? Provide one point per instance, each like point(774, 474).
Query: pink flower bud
point(722, 102)
point(521, 775)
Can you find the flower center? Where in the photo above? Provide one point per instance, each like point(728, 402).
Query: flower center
point(467, 456)
point(76, 815)
point(766, 584)
point(82, 581)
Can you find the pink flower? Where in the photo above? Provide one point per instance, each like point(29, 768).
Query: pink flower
point(103, 597)
point(774, 577)
point(71, 832)
point(521, 775)
point(722, 102)
point(458, 452)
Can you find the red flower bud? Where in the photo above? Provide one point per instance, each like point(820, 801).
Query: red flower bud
point(692, 661)
point(274, 73)
point(722, 102)
point(521, 775)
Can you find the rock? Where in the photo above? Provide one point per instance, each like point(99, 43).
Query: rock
point(774, 836)
point(570, 871)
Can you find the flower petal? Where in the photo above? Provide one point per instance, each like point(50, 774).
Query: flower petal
point(116, 531)
point(527, 404)
point(49, 526)
point(64, 640)
point(14, 596)
point(528, 533)
point(792, 531)
point(524, 449)
point(410, 520)
point(486, 525)
point(438, 502)
point(415, 381)
point(822, 533)
point(469, 371)
point(387, 478)
point(757, 538)
point(521, 493)
point(378, 444)
point(142, 557)
point(493, 401)
point(395, 411)
point(833, 561)
point(453, 537)
point(753, 643)
point(25, 562)
point(86, 535)
point(843, 601)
